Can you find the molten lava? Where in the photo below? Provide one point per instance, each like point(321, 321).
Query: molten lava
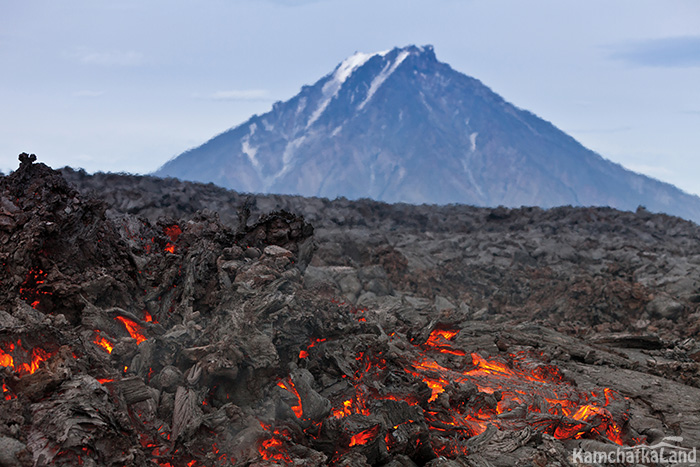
point(6, 393)
point(135, 330)
point(273, 447)
point(364, 437)
point(23, 361)
point(6, 359)
point(102, 342)
point(31, 289)
point(440, 339)
point(344, 411)
point(288, 384)
point(468, 392)
point(173, 232)
point(522, 391)
point(305, 353)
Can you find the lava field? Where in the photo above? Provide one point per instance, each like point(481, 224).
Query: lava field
point(148, 322)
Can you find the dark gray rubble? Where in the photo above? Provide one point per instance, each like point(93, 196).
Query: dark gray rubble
point(227, 290)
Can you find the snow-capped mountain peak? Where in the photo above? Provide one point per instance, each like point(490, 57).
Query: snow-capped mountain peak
point(401, 126)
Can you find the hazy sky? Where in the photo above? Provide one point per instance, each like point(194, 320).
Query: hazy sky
point(126, 85)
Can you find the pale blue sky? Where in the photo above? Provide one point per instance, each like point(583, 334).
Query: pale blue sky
point(126, 85)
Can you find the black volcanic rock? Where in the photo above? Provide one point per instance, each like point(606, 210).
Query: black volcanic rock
point(240, 355)
point(400, 126)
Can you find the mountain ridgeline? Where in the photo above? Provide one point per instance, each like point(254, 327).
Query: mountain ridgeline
point(400, 126)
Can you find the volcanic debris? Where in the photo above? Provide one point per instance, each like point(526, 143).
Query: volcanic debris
point(185, 340)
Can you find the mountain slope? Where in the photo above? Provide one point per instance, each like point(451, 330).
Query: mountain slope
point(400, 126)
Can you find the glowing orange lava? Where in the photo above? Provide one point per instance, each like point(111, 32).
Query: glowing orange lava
point(15, 353)
point(102, 342)
point(439, 340)
point(520, 389)
point(135, 330)
point(30, 290)
point(6, 359)
point(273, 448)
point(289, 386)
point(305, 353)
point(173, 232)
point(509, 393)
point(364, 437)
point(345, 411)
point(7, 394)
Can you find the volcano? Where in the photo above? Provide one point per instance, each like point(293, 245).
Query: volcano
point(401, 126)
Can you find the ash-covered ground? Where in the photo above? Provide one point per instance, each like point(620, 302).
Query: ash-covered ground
point(155, 322)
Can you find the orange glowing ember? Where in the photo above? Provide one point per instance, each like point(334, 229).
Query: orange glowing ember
point(102, 342)
point(6, 359)
point(173, 232)
point(312, 344)
point(345, 411)
point(31, 291)
point(135, 330)
point(364, 437)
point(14, 354)
point(439, 340)
point(288, 384)
point(512, 392)
point(273, 448)
point(7, 394)
point(520, 388)
point(38, 355)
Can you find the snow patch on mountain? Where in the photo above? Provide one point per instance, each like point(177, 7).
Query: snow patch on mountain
point(382, 76)
point(472, 140)
point(287, 160)
point(249, 150)
point(333, 85)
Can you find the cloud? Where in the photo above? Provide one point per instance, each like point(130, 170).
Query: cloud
point(88, 93)
point(682, 51)
point(112, 58)
point(237, 95)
